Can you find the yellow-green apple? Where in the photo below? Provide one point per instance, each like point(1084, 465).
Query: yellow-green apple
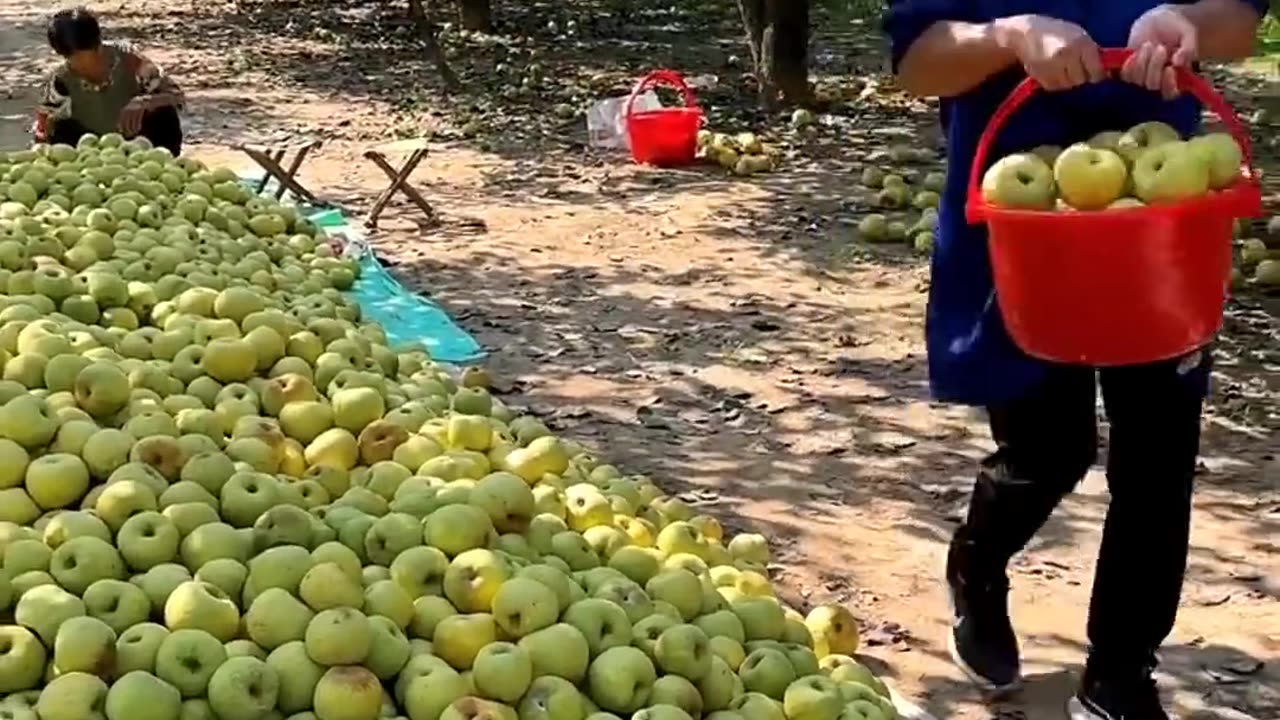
point(72, 696)
point(571, 547)
point(762, 617)
point(757, 706)
point(385, 597)
point(1221, 154)
point(834, 630)
point(1170, 172)
point(85, 644)
point(680, 588)
point(159, 582)
point(298, 675)
point(719, 686)
point(502, 671)
point(523, 605)
point(420, 569)
point(77, 563)
point(1142, 137)
point(815, 697)
point(23, 663)
point(391, 535)
point(621, 678)
point(348, 693)
point(339, 636)
point(1089, 178)
point(428, 611)
point(1019, 181)
point(473, 578)
point(186, 659)
point(559, 650)
point(202, 606)
point(279, 567)
point(458, 638)
point(389, 650)
point(767, 671)
point(210, 541)
point(683, 650)
point(243, 687)
point(552, 698)
point(507, 499)
point(603, 624)
point(662, 712)
point(434, 686)
point(139, 694)
point(275, 617)
point(678, 691)
point(148, 539)
point(117, 603)
point(57, 480)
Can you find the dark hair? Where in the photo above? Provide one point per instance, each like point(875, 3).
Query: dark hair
point(71, 31)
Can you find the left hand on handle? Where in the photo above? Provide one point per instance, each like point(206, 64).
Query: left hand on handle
point(1161, 39)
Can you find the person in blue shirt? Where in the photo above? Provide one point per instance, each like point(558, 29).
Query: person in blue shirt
point(971, 53)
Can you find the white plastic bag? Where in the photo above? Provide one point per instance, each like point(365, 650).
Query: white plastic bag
point(607, 120)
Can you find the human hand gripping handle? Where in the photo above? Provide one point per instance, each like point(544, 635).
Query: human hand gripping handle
point(1163, 40)
point(1244, 195)
point(1057, 54)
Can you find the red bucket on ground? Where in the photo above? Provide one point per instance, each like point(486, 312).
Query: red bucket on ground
point(666, 137)
point(1115, 287)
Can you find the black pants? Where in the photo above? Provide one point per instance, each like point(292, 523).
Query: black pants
point(1047, 441)
point(162, 127)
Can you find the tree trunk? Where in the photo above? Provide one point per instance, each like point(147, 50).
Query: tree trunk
point(778, 37)
point(476, 15)
point(424, 21)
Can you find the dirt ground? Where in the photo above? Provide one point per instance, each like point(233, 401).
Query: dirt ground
point(728, 337)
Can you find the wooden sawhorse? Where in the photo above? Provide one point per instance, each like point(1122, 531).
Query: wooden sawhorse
point(413, 150)
point(270, 157)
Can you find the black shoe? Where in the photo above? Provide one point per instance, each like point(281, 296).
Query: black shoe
point(982, 641)
point(1130, 696)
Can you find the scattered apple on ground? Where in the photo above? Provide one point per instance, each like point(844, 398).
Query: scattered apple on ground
point(742, 154)
point(224, 495)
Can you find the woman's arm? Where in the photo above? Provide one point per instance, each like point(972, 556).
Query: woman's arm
point(953, 57)
point(1225, 29)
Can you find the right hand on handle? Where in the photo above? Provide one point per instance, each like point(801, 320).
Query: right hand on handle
point(1055, 53)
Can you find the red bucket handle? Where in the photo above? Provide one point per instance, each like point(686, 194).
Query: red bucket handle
point(662, 77)
point(1113, 59)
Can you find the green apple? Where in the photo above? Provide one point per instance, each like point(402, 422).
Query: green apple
point(275, 617)
point(815, 697)
point(121, 500)
point(1018, 181)
point(339, 636)
point(209, 470)
point(246, 495)
point(25, 555)
point(1144, 136)
point(284, 525)
point(137, 647)
point(523, 605)
point(117, 603)
point(57, 480)
point(457, 528)
point(552, 698)
point(391, 535)
point(243, 687)
point(198, 709)
point(603, 624)
point(187, 659)
point(327, 585)
point(428, 611)
point(683, 650)
point(348, 693)
point(647, 631)
point(720, 686)
point(79, 562)
point(662, 712)
point(101, 389)
point(210, 541)
point(507, 499)
point(762, 617)
point(22, 664)
point(85, 644)
point(1169, 172)
point(72, 696)
point(432, 689)
point(298, 675)
point(139, 695)
point(419, 570)
point(620, 679)
point(1221, 154)
point(677, 691)
point(236, 648)
point(502, 671)
point(767, 671)
point(722, 623)
point(279, 567)
point(389, 649)
point(1089, 178)
point(202, 606)
point(560, 650)
point(148, 539)
point(386, 598)
point(834, 630)
point(679, 587)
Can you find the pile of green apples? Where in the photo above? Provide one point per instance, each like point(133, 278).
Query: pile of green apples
point(224, 496)
point(742, 154)
point(1148, 164)
point(895, 194)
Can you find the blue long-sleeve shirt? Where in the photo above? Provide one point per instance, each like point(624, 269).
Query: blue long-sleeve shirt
point(972, 360)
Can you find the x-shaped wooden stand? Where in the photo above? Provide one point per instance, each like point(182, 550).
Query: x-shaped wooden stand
point(417, 150)
point(270, 157)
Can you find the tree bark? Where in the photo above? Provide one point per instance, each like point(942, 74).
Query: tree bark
point(476, 15)
point(778, 37)
point(423, 18)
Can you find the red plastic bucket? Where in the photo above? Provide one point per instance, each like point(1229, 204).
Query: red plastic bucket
point(666, 137)
point(1115, 287)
